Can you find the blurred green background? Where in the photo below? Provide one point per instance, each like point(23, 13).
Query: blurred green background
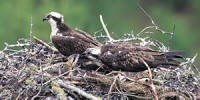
point(121, 16)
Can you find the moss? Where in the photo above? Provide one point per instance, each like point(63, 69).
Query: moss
point(59, 91)
point(30, 83)
point(35, 68)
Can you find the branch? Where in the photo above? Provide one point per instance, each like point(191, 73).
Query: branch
point(152, 21)
point(16, 45)
point(41, 85)
point(45, 44)
point(111, 87)
point(31, 27)
point(79, 91)
point(156, 27)
point(105, 29)
point(151, 81)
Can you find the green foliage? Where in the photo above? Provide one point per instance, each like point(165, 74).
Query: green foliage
point(120, 16)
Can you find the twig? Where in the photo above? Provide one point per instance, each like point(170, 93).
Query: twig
point(146, 14)
point(171, 37)
point(45, 44)
point(178, 94)
point(41, 85)
point(152, 21)
point(52, 67)
point(79, 91)
point(151, 81)
point(144, 29)
point(20, 95)
point(73, 59)
point(126, 77)
point(111, 87)
point(54, 78)
point(16, 45)
point(31, 27)
point(156, 26)
point(98, 31)
point(105, 29)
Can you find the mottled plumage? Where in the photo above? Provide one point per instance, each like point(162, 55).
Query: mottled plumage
point(128, 57)
point(67, 40)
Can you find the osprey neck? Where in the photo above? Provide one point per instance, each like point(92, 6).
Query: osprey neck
point(62, 27)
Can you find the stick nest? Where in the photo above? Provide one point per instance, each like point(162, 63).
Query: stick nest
point(34, 70)
point(31, 70)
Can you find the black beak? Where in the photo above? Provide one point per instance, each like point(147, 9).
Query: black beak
point(45, 19)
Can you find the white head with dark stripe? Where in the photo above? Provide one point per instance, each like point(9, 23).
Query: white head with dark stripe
point(54, 18)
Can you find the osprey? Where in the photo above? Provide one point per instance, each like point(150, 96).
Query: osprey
point(67, 40)
point(126, 56)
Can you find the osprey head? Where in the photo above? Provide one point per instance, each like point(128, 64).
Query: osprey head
point(93, 51)
point(54, 17)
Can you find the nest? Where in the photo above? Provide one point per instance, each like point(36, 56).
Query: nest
point(35, 70)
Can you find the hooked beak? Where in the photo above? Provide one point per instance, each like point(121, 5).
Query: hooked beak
point(45, 19)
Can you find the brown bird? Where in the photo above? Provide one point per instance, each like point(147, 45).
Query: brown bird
point(67, 40)
point(127, 56)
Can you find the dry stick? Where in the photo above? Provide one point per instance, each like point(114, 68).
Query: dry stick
point(16, 45)
point(20, 94)
point(21, 80)
point(147, 14)
point(45, 44)
point(105, 29)
point(171, 37)
point(111, 87)
point(157, 27)
point(53, 66)
point(9, 47)
point(79, 91)
point(152, 21)
point(31, 27)
point(54, 78)
point(136, 81)
point(41, 85)
point(151, 82)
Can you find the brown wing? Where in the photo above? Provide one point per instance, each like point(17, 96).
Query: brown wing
point(127, 56)
point(68, 45)
point(83, 36)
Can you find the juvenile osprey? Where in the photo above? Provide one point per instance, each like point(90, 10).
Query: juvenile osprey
point(130, 57)
point(67, 40)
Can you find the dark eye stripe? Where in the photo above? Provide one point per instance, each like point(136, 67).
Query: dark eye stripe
point(48, 16)
point(56, 19)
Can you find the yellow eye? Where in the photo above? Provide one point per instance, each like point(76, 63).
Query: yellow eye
point(49, 16)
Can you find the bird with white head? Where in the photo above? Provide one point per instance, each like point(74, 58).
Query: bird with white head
point(67, 40)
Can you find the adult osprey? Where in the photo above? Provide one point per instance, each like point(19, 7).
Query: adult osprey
point(67, 40)
point(131, 57)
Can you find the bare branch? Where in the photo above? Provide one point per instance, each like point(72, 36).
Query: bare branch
point(41, 85)
point(153, 22)
point(146, 14)
point(105, 29)
point(156, 27)
point(79, 91)
point(54, 78)
point(31, 27)
point(151, 81)
point(171, 37)
point(45, 44)
point(15, 45)
point(111, 87)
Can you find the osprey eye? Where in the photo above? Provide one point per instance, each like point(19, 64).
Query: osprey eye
point(49, 16)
